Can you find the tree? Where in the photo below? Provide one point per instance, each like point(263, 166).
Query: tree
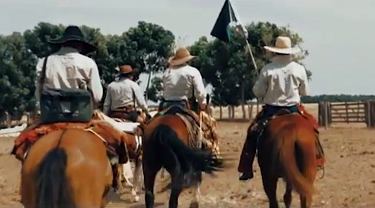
point(228, 67)
point(16, 78)
point(154, 92)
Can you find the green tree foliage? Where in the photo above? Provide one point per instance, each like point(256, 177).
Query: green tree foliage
point(228, 67)
point(146, 47)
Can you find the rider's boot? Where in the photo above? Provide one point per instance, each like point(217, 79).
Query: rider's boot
point(247, 158)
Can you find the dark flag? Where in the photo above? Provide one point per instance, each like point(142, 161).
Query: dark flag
point(225, 22)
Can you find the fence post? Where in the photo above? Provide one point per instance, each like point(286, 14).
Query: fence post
point(366, 106)
point(321, 114)
point(328, 114)
point(372, 113)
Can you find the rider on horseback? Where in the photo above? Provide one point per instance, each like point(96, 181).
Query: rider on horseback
point(122, 95)
point(70, 67)
point(182, 83)
point(281, 84)
point(69, 77)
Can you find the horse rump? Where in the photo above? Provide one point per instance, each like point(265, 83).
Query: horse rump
point(198, 159)
point(52, 183)
point(292, 158)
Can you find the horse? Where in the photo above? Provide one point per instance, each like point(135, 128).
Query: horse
point(209, 129)
point(72, 167)
point(168, 143)
point(287, 149)
point(134, 147)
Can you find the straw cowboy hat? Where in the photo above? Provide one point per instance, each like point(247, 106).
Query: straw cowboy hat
point(126, 69)
point(283, 45)
point(182, 56)
point(73, 33)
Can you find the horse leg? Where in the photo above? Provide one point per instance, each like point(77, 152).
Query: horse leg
point(197, 179)
point(288, 195)
point(177, 185)
point(270, 187)
point(105, 201)
point(136, 177)
point(149, 175)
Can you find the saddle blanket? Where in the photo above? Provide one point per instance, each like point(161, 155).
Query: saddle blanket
point(128, 127)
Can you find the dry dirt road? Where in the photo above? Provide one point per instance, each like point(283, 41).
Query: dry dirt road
point(349, 180)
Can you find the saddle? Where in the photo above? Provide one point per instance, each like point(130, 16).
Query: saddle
point(191, 120)
point(122, 113)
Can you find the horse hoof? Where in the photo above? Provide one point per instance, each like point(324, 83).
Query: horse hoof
point(194, 205)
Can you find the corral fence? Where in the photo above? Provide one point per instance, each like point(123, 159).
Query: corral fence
point(347, 112)
point(240, 113)
point(327, 113)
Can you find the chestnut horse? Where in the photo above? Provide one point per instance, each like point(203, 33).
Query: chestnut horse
point(134, 147)
point(287, 149)
point(167, 144)
point(70, 168)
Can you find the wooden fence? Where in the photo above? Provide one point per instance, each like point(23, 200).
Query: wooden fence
point(231, 113)
point(353, 112)
point(326, 112)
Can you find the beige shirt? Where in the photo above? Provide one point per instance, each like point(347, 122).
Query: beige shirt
point(178, 84)
point(120, 94)
point(281, 82)
point(69, 69)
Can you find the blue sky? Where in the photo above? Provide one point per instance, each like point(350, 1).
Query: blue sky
point(338, 33)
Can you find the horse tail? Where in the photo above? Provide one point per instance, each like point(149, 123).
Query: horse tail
point(290, 151)
point(52, 183)
point(199, 159)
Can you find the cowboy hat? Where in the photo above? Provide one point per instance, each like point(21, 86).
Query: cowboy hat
point(182, 56)
point(73, 33)
point(126, 69)
point(283, 45)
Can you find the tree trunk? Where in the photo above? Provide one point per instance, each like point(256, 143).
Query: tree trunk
point(229, 112)
point(221, 112)
point(233, 111)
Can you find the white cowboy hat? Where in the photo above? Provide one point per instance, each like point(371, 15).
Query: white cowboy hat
point(182, 56)
point(283, 45)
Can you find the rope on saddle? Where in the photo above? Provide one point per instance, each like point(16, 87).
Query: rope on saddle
point(194, 139)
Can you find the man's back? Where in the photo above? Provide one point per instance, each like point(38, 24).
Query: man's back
point(121, 92)
point(69, 69)
point(282, 83)
point(178, 83)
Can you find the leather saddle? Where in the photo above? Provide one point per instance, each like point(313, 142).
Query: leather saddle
point(175, 109)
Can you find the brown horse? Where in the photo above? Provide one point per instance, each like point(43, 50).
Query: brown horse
point(168, 144)
point(287, 149)
point(134, 147)
point(70, 168)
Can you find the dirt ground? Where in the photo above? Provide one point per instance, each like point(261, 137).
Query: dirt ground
point(349, 180)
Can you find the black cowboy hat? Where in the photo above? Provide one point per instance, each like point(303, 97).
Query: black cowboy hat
point(73, 33)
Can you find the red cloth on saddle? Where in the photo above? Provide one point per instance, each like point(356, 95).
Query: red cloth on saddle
point(308, 116)
point(32, 134)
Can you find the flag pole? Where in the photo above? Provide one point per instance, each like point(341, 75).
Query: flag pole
point(248, 46)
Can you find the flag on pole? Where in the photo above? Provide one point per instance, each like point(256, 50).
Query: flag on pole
point(227, 23)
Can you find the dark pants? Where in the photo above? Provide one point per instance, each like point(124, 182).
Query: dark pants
point(131, 115)
point(250, 146)
point(168, 103)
